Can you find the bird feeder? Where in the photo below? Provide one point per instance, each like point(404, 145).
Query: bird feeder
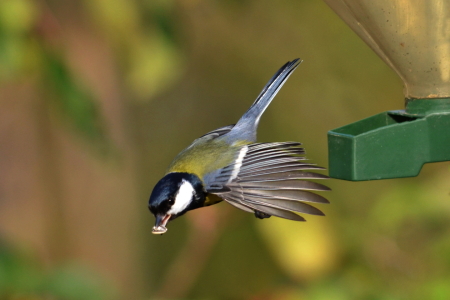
point(413, 38)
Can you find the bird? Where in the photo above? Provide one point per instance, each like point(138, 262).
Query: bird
point(228, 164)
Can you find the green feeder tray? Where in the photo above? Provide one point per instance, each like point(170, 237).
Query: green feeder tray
point(392, 144)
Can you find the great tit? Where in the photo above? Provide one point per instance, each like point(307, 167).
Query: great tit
point(267, 179)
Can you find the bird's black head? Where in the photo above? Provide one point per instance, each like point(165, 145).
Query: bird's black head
point(174, 195)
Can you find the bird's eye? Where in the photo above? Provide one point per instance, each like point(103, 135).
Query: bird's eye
point(171, 201)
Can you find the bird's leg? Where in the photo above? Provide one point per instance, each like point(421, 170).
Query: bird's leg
point(261, 215)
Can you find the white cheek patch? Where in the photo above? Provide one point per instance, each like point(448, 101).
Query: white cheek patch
point(183, 198)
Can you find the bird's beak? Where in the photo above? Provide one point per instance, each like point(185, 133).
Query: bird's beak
point(160, 225)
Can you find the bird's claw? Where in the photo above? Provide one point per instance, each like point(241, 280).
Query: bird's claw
point(261, 215)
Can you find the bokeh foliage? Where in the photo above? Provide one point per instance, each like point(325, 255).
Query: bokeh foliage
point(23, 277)
point(147, 77)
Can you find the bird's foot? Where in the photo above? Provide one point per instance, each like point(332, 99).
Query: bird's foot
point(261, 215)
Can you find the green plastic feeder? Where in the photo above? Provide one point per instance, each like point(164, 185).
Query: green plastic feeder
point(413, 38)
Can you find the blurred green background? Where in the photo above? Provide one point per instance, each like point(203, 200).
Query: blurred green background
point(97, 97)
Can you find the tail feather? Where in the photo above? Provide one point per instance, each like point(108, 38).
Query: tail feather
point(246, 127)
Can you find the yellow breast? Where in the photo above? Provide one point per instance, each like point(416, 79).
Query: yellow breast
point(212, 199)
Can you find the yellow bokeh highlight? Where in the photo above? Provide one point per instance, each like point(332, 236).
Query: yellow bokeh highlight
point(306, 251)
point(17, 15)
point(154, 66)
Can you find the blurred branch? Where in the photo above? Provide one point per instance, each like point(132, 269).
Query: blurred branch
point(58, 240)
point(67, 90)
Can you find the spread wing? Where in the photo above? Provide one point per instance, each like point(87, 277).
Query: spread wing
point(270, 179)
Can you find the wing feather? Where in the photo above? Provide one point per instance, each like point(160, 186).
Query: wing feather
point(272, 178)
point(286, 205)
point(261, 146)
point(275, 161)
point(292, 195)
point(288, 184)
point(268, 209)
point(280, 168)
point(239, 204)
point(284, 175)
point(218, 132)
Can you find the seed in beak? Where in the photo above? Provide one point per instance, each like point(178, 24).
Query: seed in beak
point(161, 222)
